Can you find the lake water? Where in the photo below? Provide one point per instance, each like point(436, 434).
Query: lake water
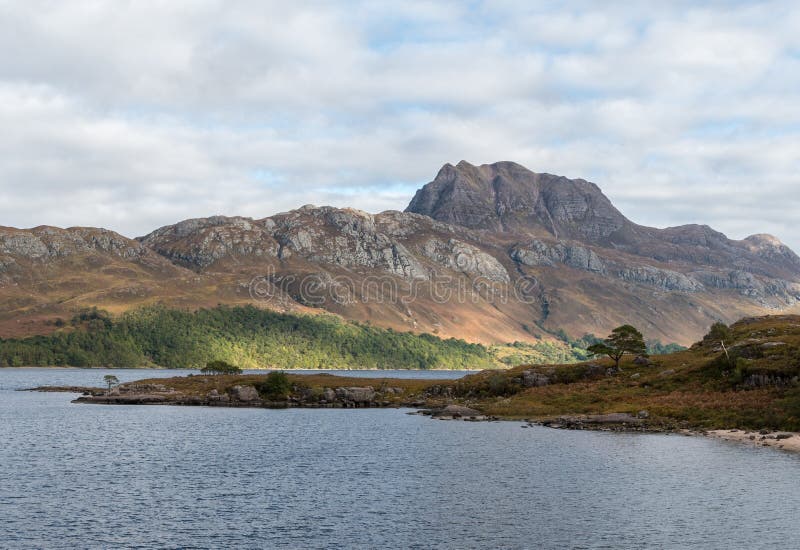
point(94, 476)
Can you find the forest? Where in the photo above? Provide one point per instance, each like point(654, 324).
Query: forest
point(246, 336)
point(253, 338)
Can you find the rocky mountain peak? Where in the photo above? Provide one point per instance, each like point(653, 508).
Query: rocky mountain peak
point(507, 197)
point(46, 242)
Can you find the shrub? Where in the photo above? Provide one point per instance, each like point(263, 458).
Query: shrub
point(500, 385)
point(276, 385)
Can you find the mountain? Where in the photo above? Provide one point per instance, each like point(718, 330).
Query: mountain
point(508, 198)
point(491, 253)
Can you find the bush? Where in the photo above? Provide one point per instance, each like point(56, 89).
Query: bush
point(276, 385)
point(501, 385)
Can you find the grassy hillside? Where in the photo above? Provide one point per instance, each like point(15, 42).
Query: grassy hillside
point(754, 386)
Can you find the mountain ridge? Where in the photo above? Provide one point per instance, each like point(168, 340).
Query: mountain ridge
point(480, 233)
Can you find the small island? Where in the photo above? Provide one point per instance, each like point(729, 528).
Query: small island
point(739, 383)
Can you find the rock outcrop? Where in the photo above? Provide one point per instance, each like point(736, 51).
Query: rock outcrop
point(664, 279)
point(538, 253)
point(49, 243)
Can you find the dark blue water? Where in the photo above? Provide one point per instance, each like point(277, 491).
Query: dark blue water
point(93, 476)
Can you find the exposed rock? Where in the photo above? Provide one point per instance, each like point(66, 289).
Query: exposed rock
point(770, 345)
point(243, 393)
point(662, 278)
point(344, 237)
point(47, 243)
point(454, 412)
point(201, 242)
point(614, 420)
point(328, 395)
point(642, 361)
point(506, 196)
point(539, 253)
point(356, 395)
point(463, 257)
point(532, 379)
point(760, 380)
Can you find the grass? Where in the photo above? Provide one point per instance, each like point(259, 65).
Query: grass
point(697, 388)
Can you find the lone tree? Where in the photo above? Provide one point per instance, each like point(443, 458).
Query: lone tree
point(220, 367)
point(720, 332)
point(622, 340)
point(111, 380)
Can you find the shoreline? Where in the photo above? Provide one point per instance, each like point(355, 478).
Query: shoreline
point(615, 422)
point(259, 370)
point(785, 441)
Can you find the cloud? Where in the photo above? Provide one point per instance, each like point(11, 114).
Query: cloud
point(135, 115)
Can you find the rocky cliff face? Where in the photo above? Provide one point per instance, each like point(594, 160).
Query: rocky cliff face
point(488, 253)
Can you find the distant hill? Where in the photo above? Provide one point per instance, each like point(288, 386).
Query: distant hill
point(492, 253)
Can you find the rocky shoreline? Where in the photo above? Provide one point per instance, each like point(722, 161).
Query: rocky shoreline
point(236, 396)
point(387, 396)
point(786, 441)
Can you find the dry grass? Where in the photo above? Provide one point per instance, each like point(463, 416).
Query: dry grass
point(688, 388)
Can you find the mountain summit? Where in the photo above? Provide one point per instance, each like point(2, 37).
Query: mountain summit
point(507, 197)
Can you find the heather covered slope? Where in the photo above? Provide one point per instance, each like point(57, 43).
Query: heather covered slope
point(755, 386)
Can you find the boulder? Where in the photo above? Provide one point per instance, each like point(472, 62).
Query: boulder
point(457, 411)
point(356, 395)
point(642, 361)
point(531, 379)
point(243, 393)
point(328, 395)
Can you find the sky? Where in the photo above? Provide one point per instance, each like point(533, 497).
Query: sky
point(131, 115)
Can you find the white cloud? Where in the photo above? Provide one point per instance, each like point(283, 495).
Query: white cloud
point(135, 115)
